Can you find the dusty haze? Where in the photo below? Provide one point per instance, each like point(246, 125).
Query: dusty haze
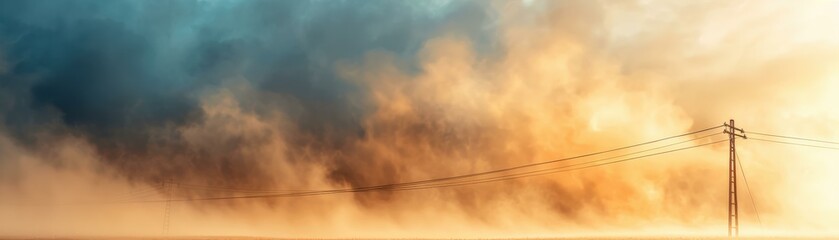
point(105, 100)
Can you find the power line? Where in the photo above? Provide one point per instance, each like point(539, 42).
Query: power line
point(792, 143)
point(468, 182)
point(488, 172)
point(789, 137)
point(560, 168)
point(749, 189)
point(567, 168)
point(556, 169)
point(431, 184)
point(448, 181)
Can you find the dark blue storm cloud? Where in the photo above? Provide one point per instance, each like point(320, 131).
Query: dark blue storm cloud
point(115, 71)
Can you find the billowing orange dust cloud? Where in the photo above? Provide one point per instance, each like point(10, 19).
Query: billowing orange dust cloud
point(572, 77)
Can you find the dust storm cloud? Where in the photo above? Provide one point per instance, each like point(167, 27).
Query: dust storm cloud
point(102, 100)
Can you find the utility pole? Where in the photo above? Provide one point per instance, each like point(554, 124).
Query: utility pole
point(733, 218)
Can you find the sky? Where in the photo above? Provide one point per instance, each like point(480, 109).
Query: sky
point(108, 101)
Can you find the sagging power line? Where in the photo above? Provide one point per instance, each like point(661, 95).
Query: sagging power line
point(516, 175)
point(510, 172)
point(793, 138)
point(521, 171)
point(796, 144)
point(393, 187)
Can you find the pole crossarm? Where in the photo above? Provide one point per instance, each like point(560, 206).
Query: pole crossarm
point(743, 136)
point(731, 126)
point(730, 129)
